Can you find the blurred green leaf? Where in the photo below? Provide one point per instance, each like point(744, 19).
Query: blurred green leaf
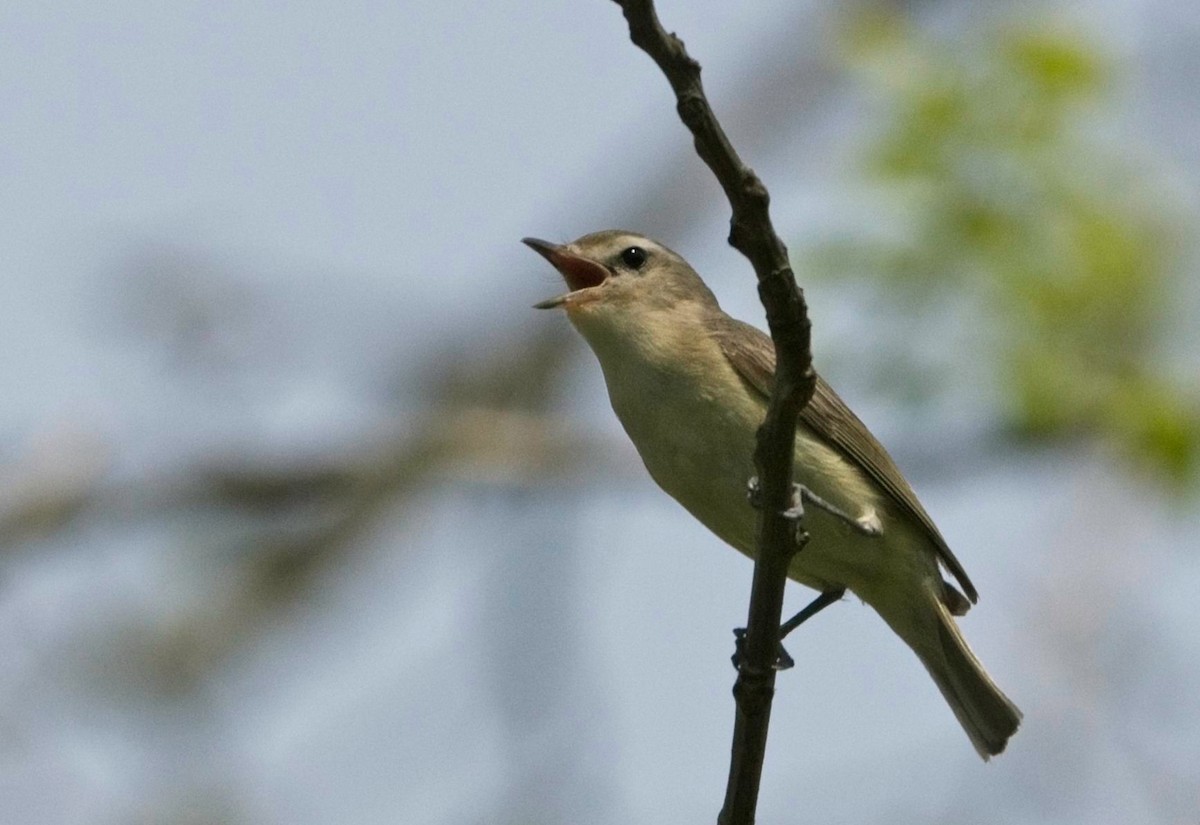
point(1056, 63)
point(1011, 211)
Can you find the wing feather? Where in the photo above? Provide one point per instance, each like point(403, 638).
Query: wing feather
point(752, 354)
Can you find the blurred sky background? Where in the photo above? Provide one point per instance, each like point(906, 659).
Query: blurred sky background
point(307, 517)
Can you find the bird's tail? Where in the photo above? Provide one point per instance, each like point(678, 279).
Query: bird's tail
point(985, 713)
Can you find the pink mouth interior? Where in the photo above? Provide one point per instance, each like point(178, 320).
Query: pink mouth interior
point(580, 273)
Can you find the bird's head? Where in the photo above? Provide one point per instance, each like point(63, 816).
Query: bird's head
point(615, 276)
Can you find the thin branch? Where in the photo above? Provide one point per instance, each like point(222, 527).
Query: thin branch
point(752, 234)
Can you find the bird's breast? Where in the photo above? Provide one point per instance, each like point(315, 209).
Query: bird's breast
point(693, 422)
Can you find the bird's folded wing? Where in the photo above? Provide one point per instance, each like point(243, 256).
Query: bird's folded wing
point(752, 354)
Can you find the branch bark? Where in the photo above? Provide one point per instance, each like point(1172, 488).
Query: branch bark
point(752, 234)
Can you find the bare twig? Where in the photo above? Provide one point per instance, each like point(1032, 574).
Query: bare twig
point(752, 234)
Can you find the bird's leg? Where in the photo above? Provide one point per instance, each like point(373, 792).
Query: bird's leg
point(868, 525)
point(813, 608)
point(783, 659)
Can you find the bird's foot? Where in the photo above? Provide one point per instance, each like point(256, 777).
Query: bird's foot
point(754, 496)
point(783, 660)
point(868, 525)
point(754, 492)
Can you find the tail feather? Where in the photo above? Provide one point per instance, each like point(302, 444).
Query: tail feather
point(985, 713)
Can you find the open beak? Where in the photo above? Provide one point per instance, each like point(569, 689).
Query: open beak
point(580, 273)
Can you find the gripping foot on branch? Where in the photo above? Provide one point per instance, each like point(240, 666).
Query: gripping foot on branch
point(783, 659)
point(868, 525)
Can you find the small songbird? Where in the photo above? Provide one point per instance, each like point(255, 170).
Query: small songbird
point(690, 385)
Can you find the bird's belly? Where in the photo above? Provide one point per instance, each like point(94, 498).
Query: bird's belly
point(700, 452)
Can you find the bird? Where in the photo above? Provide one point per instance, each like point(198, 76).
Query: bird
point(690, 386)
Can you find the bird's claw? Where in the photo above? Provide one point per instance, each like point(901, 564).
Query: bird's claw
point(793, 513)
point(783, 660)
point(754, 493)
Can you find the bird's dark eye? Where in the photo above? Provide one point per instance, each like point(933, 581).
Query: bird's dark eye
point(634, 257)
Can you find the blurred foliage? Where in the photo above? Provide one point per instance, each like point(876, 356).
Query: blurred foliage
point(1002, 206)
point(264, 525)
